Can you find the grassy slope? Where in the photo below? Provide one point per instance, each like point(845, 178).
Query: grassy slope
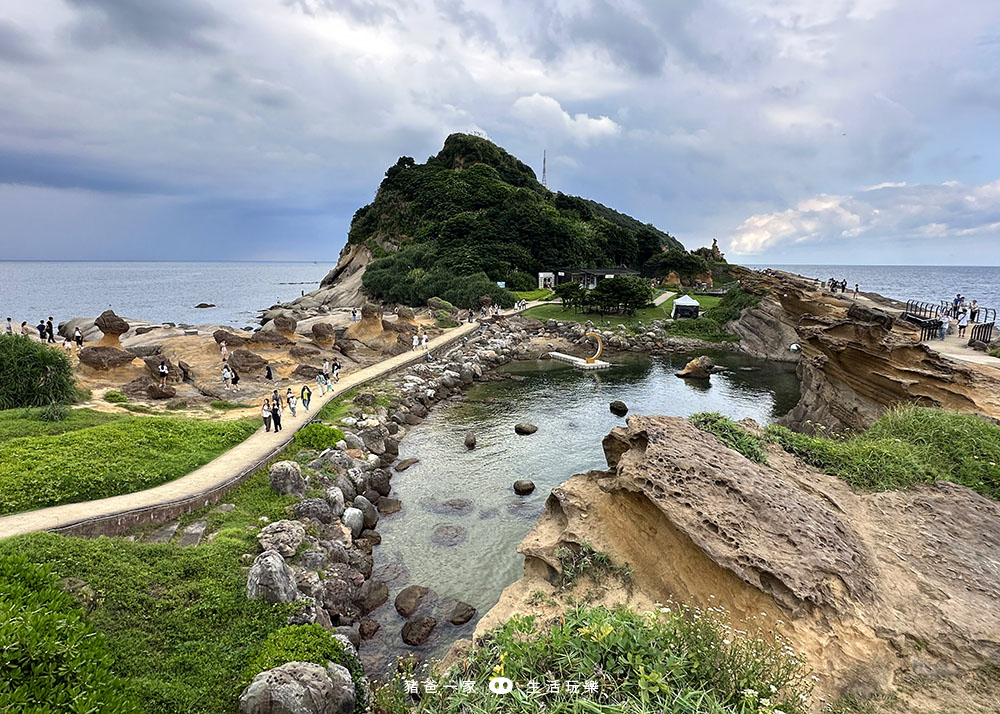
point(555, 311)
point(125, 455)
point(18, 423)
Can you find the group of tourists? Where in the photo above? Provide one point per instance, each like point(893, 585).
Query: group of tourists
point(420, 338)
point(840, 286)
point(329, 376)
point(959, 312)
point(273, 408)
point(46, 332)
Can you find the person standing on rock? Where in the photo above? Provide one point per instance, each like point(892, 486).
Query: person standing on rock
point(354, 314)
point(306, 396)
point(336, 370)
point(41, 330)
point(25, 330)
point(78, 338)
point(265, 414)
point(236, 380)
point(856, 289)
point(226, 375)
point(50, 330)
point(268, 374)
point(290, 401)
point(224, 350)
point(164, 371)
point(10, 326)
point(276, 415)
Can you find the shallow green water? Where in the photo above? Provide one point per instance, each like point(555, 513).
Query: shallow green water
point(570, 409)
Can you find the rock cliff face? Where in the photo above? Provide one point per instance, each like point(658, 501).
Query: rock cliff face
point(854, 361)
point(871, 587)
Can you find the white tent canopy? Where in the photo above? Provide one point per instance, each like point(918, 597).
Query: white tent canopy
point(686, 300)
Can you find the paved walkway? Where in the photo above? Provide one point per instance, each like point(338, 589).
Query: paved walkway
point(257, 448)
point(662, 298)
point(957, 348)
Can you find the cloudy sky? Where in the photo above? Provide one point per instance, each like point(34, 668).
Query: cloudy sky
point(795, 131)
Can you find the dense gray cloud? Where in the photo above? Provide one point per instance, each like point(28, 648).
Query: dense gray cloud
point(254, 127)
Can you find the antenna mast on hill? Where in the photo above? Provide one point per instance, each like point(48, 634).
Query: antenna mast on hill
point(543, 169)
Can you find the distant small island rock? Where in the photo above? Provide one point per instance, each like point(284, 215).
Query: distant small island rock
point(204, 305)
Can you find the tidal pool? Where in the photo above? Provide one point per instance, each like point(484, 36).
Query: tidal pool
point(461, 521)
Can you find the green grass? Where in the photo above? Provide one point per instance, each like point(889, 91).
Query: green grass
point(182, 635)
point(19, 423)
point(531, 295)
point(672, 661)
point(115, 397)
point(125, 455)
point(731, 434)
point(908, 446)
point(575, 561)
point(994, 353)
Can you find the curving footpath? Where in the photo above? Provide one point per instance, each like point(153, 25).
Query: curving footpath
point(207, 484)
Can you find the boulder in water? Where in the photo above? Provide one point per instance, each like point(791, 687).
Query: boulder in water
point(470, 440)
point(698, 368)
point(417, 630)
point(524, 428)
point(618, 408)
point(522, 487)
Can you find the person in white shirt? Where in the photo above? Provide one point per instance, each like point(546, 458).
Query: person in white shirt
point(423, 340)
point(945, 321)
point(963, 322)
point(416, 341)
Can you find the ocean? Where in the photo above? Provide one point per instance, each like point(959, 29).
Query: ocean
point(152, 291)
point(927, 283)
point(169, 291)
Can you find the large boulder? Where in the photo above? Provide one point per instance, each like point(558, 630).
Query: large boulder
point(246, 362)
point(230, 338)
point(305, 351)
point(300, 688)
point(417, 630)
point(618, 408)
point(525, 429)
point(105, 358)
point(286, 477)
point(306, 372)
point(270, 337)
point(371, 594)
point(158, 391)
point(698, 368)
point(283, 537)
point(113, 327)
point(522, 487)
point(285, 325)
point(270, 579)
point(315, 508)
point(354, 519)
point(409, 599)
point(368, 510)
point(470, 440)
point(323, 333)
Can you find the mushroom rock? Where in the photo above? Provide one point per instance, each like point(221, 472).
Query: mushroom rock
point(323, 333)
point(406, 315)
point(285, 325)
point(270, 337)
point(113, 328)
point(369, 330)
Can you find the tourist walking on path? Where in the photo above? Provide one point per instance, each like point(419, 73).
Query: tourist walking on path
point(423, 340)
point(321, 383)
point(945, 321)
point(306, 396)
point(10, 326)
point(963, 322)
point(224, 350)
point(275, 399)
point(290, 401)
point(236, 379)
point(78, 338)
point(326, 370)
point(164, 373)
point(336, 370)
point(268, 374)
point(265, 414)
point(227, 376)
point(416, 340)
point(276, 415)
point(49, 329)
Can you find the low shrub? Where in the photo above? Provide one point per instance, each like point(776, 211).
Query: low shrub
point(732, 304)
point(582, 558)
point(307, 643)
point(139, 408)
point(701, 328)
point(54, 412)
point(907, 446)
point(51, 658)
point(33, 374)
point(115, 397)
point(318, 436)
point(445, 319)
point(521, 282)
point(673, 661)
point(731, 434)
point(228, 406)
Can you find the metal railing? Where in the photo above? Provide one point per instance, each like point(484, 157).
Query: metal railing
point(982, 332)
point(918, 310)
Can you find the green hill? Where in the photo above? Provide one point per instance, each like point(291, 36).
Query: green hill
point(474, 215)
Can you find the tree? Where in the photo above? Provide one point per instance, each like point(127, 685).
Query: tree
point(622, 293)
point(571, 294)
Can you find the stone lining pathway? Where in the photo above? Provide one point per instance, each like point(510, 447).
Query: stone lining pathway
point(259, 446)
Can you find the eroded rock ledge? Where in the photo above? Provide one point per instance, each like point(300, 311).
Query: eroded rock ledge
point(869, 586)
